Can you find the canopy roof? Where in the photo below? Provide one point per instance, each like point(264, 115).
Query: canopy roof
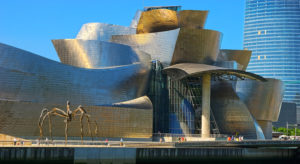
point(183, 70)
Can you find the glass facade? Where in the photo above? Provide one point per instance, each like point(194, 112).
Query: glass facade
point(176, 104)
point(158, 93)
point(272, 33)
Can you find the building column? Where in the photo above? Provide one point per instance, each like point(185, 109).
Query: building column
point(205, 118)
point(266, 127)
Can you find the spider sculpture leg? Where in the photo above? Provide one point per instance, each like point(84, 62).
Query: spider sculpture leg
point(61, 113)
point(66, 130)
point(43, 115)
point(89, 126)
point(50, 127)
point(96, 129)
point(81, 128)
point(81, 111)
point(54, 111)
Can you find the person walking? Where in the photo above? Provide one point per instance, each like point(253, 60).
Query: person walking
point(121, 142)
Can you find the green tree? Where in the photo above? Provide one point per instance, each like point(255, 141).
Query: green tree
point(291, 131)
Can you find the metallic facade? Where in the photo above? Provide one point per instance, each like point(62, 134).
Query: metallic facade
point(157, 20)
point(202, 46)
point(141, 79)
point(263, 101)
point(253, 92)
point(96, 54)
point(20, 120)
point(242, 57)
point(271, 32)
point(231, 113)
point(192, 18)
point(33, 78)
point(102, 31)
point(159, 45)
point(30, 82)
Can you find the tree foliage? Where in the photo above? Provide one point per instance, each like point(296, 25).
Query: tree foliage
point(291, 131)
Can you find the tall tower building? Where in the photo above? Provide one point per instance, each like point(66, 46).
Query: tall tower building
point(272, 33)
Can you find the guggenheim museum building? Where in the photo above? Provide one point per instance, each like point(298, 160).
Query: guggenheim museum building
point(165, 73)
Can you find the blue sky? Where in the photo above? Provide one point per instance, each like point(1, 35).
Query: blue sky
point(31, 24)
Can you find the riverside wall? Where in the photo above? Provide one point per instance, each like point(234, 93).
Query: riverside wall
point(132, 155)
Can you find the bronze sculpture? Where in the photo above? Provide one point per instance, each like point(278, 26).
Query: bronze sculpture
point(69, 116)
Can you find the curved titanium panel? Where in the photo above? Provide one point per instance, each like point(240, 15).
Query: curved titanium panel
point(196, 46)
point(192, 18)
point(136, 18)
point(183, 70)
point(157, 20)
point(159, 45)
point(28, 77)
point(138, 103)
point(242, 57)
point(266, 127)
point(102, 31)
point(95, 54)
point(231, 114)
point(263, 99)
point(20, 118)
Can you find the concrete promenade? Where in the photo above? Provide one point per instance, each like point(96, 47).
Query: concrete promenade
point(155, 152)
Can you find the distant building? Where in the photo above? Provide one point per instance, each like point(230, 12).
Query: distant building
point(272, 33)
point(287, 115)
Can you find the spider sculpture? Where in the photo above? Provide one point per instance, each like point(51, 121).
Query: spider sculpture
point(69, 116)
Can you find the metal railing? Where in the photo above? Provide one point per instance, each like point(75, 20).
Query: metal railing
point(156, 138)
point(188, 135)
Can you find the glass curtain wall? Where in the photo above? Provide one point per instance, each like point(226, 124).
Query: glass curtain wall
point(272, 33)
point(185, 98)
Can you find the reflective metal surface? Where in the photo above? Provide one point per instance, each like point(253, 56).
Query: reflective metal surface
point(19, 118)
point(136, 18)
point(263, 99)
point(139, 103)
point(196, 46)
point(96, 54)
point(182, 70)
point(242, 57)
point(157, 20)
point(231, 113)
point(102, 31)
point(115, 76)
point(28, 77)
point(159, 45)
point(192, 18)
point(266, 127)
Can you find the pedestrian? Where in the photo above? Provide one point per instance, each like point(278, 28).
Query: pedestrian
point(15, 141)
point(228, 138)
point(121, 142)
point(46, 140)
